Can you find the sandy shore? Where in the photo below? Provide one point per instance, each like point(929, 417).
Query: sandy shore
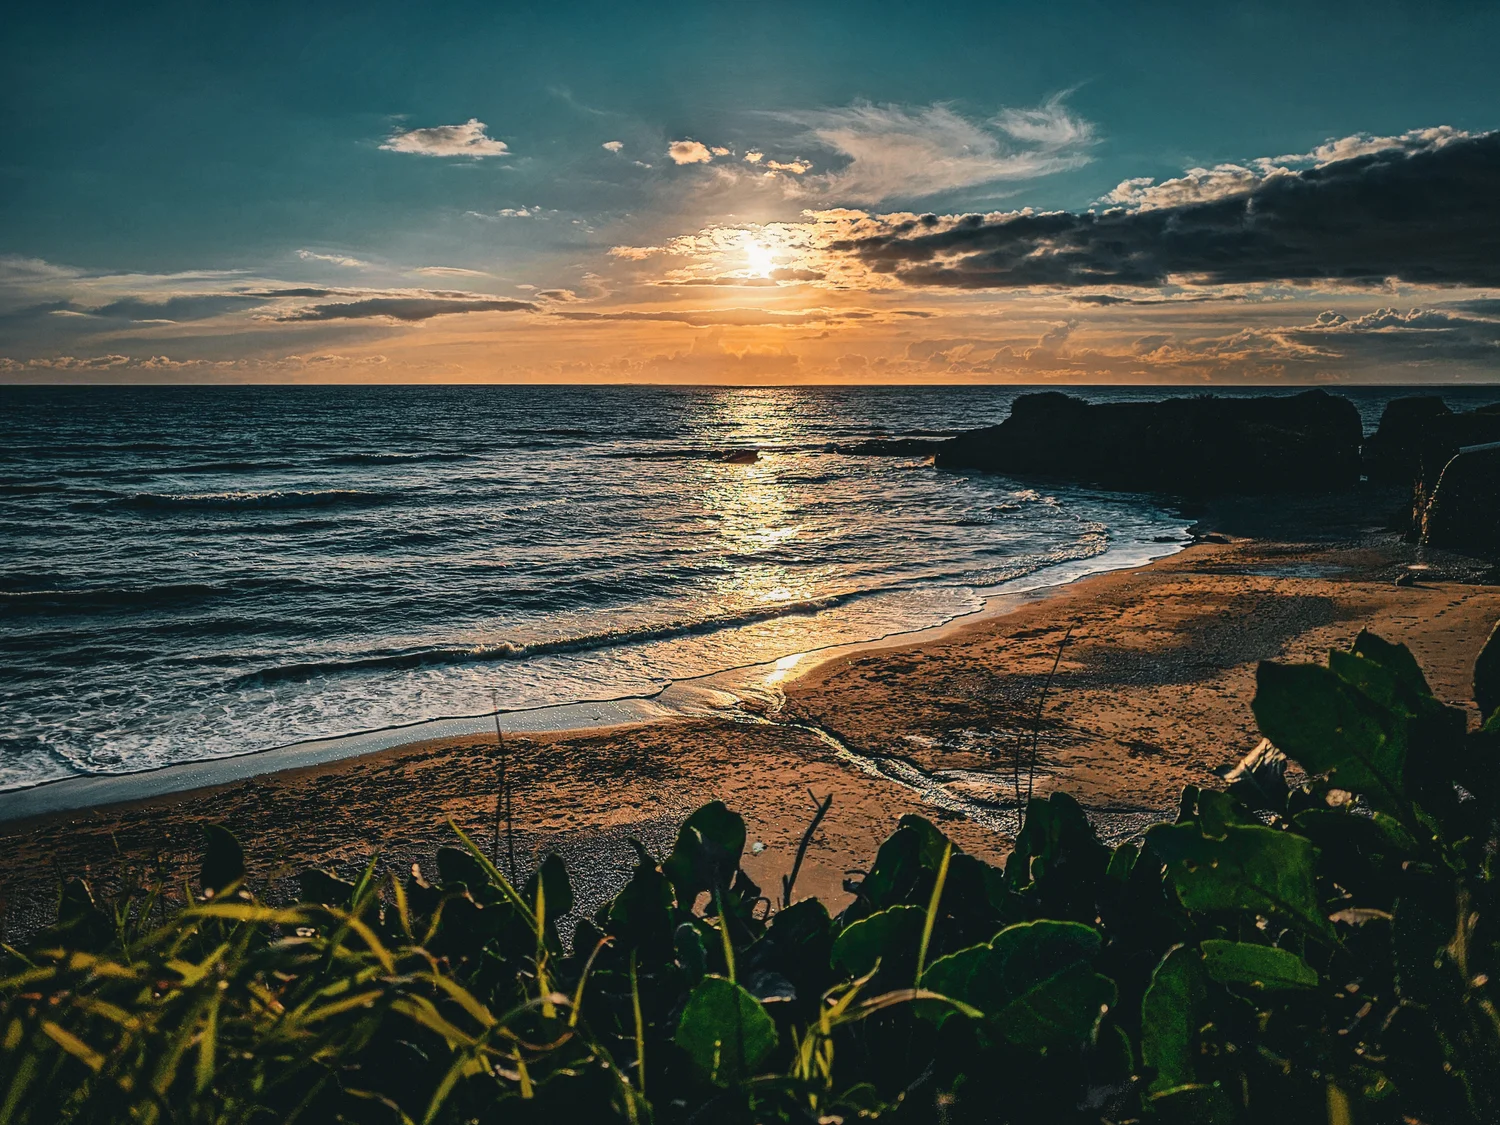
point(1152, 692)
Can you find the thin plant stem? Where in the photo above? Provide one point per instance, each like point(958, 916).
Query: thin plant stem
point(1036, 733)
point(503, 804)
point(788, 881)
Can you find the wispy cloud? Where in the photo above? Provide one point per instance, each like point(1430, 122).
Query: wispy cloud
point(449, 271)
point(468, 139)
point(335, 259)
point(405, 308)
point(900, 152)
point(612, 146)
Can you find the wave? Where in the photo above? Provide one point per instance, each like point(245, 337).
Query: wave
point(227, 467)
point(505, 650)
point(105, 597)
point(392, 458)
point(241, 501)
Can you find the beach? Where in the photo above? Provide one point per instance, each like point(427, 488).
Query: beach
point(1151, 692)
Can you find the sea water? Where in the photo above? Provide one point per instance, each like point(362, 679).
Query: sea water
point(190, 573)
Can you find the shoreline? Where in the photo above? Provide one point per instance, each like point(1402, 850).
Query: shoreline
point(1153, 692)
point(718, 693)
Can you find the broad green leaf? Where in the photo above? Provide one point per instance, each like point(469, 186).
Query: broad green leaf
point(1249, 869)
point(1171, 1013)
point(1487, 677)
point(1061, 1011)
point(1026, 954)
point(641, 914)
point(1328, 726)
point(552, 875)
point(725, 1031)
point(707, 853)
point(1034, 981)
point(1058, 861)
point(888, 936)
point(1259, 966)
point(223, 859)
point(1396, 659)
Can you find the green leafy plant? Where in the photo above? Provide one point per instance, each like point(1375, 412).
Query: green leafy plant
point(1320, 949)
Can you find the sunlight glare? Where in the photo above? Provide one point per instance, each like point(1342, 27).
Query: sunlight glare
point(760, 258)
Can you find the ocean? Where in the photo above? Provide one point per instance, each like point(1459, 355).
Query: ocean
point(190, 573)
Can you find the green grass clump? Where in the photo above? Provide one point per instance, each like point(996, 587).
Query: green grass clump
point(1318, 952)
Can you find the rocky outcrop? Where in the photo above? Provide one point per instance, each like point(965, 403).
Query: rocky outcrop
point(1417, 436)
point(1461, 511)
point(1199, 446)
point(889, 447)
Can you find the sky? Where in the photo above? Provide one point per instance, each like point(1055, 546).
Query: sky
point(750, 192)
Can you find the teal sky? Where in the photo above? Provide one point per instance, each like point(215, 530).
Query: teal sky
point(258, 148)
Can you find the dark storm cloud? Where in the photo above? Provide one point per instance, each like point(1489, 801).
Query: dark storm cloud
point(405, 308)
point(1428, 216)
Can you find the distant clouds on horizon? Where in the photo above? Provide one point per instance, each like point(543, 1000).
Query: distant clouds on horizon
point(411, 225)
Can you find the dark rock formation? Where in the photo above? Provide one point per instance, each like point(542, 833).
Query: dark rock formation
point(1195, 446)
point(1419, 435)
point(889, 447)
point(1462, 509)
point(1393, 452)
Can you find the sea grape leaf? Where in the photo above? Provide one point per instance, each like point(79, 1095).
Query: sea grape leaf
point(223, 859)
point(1172, 1010)
point(1034, 981)
point(323, 887)
point(641, 914)
point(692, 952)
point(950, 976)
point(1058, 861)
point(552, 875)
point(706, 854)
point(725, 1030)
point(1249, 869)
point(1027, 953)
point(903, 868)
point(1259, 966)
point(1330, 727)
point(458, 866)
point(79, 918)
point(1396, 659)
point(1061, 1011)
point(1487, 677)
point(798, 945)
point(889, 936)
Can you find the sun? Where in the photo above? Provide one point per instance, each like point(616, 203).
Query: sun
point(760, 257)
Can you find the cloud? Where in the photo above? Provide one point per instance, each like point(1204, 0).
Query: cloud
point(703, 318)
point(897, 152)
point(1425, 215)
point(795, 167)
point(1415, 336)
point(335, 259)
point(408, 309)
point(449, 271)
point(516, 212)
point(689, 152)
point(468, 139)
point(754, 157)
point(612, 146)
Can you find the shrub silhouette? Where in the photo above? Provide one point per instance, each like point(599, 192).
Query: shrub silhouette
point(1314, 952)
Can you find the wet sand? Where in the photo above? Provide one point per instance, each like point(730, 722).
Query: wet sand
point(1152, 692)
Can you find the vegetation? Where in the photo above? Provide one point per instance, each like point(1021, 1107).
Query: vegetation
point(1324, 951)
